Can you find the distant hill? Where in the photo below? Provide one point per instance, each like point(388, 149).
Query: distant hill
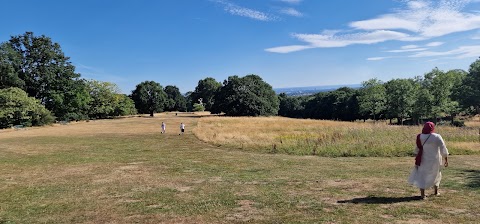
point(310, 90)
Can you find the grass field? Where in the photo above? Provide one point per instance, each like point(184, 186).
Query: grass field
point(328, 138)
point(125, 171)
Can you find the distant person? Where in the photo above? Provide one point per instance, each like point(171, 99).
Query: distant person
point(182, 129)
point(164, 127)
point(428, 161)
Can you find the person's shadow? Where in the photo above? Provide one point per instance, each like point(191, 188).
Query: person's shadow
point(380, 200)
point(473, 177)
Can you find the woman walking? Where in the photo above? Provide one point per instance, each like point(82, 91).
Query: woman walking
point(428, 161)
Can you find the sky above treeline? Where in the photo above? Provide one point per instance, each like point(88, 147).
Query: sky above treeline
point(289, 43)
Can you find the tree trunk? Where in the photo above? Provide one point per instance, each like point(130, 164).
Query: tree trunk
point(151, 113)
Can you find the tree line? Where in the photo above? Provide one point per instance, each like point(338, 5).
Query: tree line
point(38, 85)
point(436, 95)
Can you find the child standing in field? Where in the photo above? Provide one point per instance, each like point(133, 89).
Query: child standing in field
point(182, 129)
point(163, 127)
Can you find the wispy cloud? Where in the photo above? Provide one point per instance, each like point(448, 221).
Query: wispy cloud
point(291, 1)
point(407, 50)
point(331, 39)
point(460, 52)
point(245, 12)
point(418, 20)
point(426, 18)
point(291, 12)
point(377, 58)
point(90, 72)
point(434, 44)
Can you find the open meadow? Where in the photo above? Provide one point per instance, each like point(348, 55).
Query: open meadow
point(229, 170)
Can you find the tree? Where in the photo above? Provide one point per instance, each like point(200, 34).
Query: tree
point(123, 106)
point(104, 97)
point(400, 95)
point(470, 89)
point(372, 98)
point(206, 90)
point(290, 106)
point(188, 101)
point(46, 73)
point(16, 108)
point(10, 61)
point(149, 97)
point(175, 100)
point(246, 96)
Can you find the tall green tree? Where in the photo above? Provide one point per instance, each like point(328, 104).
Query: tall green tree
point(372, 98)
point(46, 73)
point(149, 97)
point(175, 100)
point(290, 106)
point(10, 62)
point(246, 96)
point(104, 98)
point(206, 90)
point(469, 94)
point(123, 106)
point(400, 95)
point(17, 108)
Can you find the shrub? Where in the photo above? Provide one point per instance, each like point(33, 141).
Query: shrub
point(16, 108)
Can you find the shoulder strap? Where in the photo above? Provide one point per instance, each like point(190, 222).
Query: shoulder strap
point(426, 139)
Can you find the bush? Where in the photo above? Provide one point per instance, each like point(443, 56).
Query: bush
point(198, 107)
point(16, 108)
point(458, 123)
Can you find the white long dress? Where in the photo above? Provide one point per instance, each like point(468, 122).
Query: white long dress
point(428, 173)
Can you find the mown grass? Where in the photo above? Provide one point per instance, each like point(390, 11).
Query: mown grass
point(125, 171)
point(327, 138)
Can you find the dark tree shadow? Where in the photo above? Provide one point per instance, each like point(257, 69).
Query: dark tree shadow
point(473, 178)
point(381, 200)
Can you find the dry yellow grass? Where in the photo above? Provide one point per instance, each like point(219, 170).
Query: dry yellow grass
point(320, 137)
point(125, 171)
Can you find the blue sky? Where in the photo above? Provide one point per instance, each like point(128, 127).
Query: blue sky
point(289, 43)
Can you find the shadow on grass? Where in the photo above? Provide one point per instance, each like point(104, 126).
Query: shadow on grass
point(473, 178)
point(381, 200)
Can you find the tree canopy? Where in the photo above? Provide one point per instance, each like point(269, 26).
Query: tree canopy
point(17, 108)
point(205, 92)
point(149, 97)
point(246, 96)
point(38, 66)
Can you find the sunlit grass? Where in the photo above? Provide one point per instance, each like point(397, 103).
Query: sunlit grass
point(326, 138)
point(126, 171)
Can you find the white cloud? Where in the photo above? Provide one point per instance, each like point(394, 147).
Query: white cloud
point(331, 39)
point(407, 50)
point(414, 48)
point(245, 12)
point(409, 47)
point(287, 49)
point(377, 58)
point(434, 44)
point(460, 52)
point(426, 18)
point(291, 12)
point(476, 36)
point(292, 1)
point(418, 20)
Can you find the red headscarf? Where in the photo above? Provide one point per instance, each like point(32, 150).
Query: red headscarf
point(428, 128)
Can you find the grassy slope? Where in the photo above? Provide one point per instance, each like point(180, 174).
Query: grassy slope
point(125, 171)
point(327, 138)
